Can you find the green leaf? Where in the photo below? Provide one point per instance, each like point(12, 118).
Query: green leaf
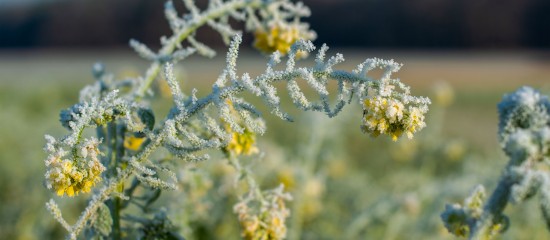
point(147, 117)
point(103, 221)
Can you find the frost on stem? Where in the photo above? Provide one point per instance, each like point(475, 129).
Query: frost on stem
point(241, 119)
point(524, 135)
point(461, 219)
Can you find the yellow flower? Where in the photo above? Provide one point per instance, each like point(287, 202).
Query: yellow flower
point(70, 191)
point(394, 111)
point(67, 166)
point(133, 143)
point(250, 227)
point(263, 223)
point(276, 228)
point(382, 125)
point(386, 115)
point(87, 186)
point(395, 134)
point(77, 176)
point(279, 38)
point(60, 192)
point(242, 143)
point(65, 177)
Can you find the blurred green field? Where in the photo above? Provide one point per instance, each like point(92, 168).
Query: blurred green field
point(375, 189)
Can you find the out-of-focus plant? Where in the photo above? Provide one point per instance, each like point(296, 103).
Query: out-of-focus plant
point(131, 160)
point(524, 135)
point(432, 150)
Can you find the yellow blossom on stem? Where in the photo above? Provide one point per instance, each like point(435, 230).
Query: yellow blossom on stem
point(64, 177)
point(242, 143)
point(133, 143)
point(77, 175)
point(265, 221)
point(387, 115)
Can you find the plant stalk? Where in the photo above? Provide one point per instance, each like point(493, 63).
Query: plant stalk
point(176, 39)
point(493, 209)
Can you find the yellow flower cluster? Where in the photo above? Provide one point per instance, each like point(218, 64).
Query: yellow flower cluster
point(279, 38)
point(387, 115)
point(268, 225)
point(242, 143)
point(66, 177)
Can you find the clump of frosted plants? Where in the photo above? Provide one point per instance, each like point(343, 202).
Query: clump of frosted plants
point(524, 135)
point(131, 159)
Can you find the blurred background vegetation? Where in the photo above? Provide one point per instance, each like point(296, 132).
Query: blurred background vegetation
point(463, 54)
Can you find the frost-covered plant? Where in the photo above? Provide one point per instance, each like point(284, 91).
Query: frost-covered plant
point(524, 135)
point(130, 161)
